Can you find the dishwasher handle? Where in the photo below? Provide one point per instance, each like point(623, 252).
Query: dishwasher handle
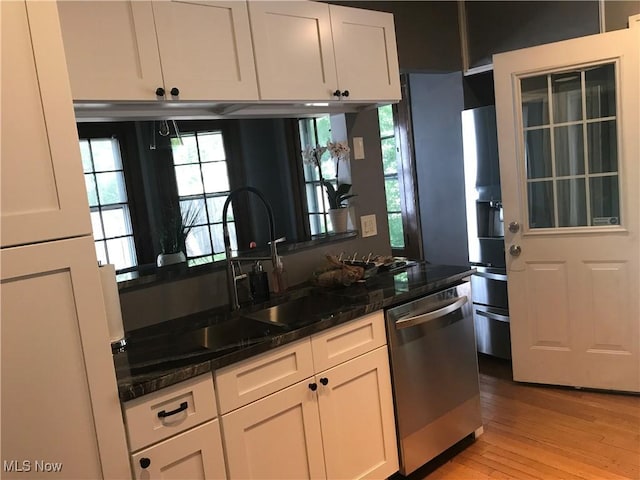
point(429, 316)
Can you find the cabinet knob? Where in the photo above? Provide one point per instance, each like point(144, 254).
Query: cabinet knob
point(160, 92)
point(345, 93)
point(313, 387)
point(324, 380)
point(337, 93)
point(145, 462)
point(174, 92)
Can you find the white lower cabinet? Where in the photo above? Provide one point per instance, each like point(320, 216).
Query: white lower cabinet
point(338, 423)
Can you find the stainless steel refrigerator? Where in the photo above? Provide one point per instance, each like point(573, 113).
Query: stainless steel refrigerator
point(485, 231)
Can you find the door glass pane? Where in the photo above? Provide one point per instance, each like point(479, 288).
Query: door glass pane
point(603, 147)
point(395, 230)
point(567, 97)
point(389, 161)
point(535, 101)
point(392, 190)
point(541, 205)
point(569, 149)
point(538, 153)
point(601, 91)
point(572, 203)
point(605, 206)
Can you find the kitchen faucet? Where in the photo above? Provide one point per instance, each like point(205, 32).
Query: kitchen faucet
point(232, 275)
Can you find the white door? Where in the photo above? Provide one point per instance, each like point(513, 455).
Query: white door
point(366, 54)
point(277, 437)
point(293, 50)
point(206, 51)
point(356, 413)
point(568, 131)
point(111, 49)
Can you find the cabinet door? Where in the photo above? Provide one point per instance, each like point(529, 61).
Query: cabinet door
point(206, 50)
point(293, 50)
point(366, 54)
point(43, 195)
point(277, 437)
point(194, 454)
point(59, 395)
point(356, 414)
point(111, 49)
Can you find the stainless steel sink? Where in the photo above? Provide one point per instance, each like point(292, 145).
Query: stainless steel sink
point(299, 312)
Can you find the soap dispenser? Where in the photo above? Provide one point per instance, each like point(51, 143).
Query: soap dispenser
point(259, 282)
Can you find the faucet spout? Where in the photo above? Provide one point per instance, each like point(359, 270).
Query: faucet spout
point(232, 278)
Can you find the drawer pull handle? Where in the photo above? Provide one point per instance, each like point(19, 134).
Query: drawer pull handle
point(313, 386)
point(324, 380)
point(145, 462)
point(183, 406)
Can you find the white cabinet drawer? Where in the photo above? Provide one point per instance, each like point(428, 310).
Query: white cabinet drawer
point(193, 454)
point(347, 341)
point(257, 377)
point(169, 411)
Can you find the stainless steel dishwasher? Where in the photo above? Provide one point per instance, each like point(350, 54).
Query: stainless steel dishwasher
point(434, 368)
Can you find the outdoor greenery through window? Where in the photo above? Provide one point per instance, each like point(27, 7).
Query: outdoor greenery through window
point(107, 195)
point(391, 182)
point(200, 164)
point(317, 131)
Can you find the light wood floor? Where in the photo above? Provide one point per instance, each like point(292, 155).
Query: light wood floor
point(539, 432)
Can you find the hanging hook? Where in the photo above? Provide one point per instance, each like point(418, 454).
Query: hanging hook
point(164, 129)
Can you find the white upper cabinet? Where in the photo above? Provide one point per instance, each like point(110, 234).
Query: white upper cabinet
point(366, 55)
point(43, 196)
point(314, 51)
point(294, 50)
point(126, 50)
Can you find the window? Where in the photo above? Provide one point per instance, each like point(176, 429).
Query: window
point(108, 202)
point(391, 181)
point(317, 131)
point(202, 178)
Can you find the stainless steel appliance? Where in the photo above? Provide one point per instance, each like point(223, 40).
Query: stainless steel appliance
point(485, 231)
point(434, 370)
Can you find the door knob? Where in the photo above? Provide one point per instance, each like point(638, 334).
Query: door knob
point(515, 250)
point(160, 92)
point(174, 92)
point(145, 462)
point(313, 387)
point(514, 227)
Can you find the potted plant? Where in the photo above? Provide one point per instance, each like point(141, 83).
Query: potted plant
point(337, 195)
point(173, 238)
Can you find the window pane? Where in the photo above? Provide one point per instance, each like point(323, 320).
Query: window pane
point(85, 152)
point(569, 146)
point(389, 160)
point(603, 147)
point(101, 253)
point(218, 241)
point(92, 191)
point(605, 203)
point(538, 153)
point(111, 188)
point(215, 177)
point(121, 252)
point(572, 203)
point(198, 242)
point(324, 129)
point(601, 91)
point(185, 153)
point(328, 166)
point(535, 101)
point(385, 118)
point(311, 173)
point(214, 206)
point(193, 211)
point(189, 180)
point(211, 146)
point(567, 97)
point(317, 224)
point(96, 225)
point(116, 222)
point(541, 205)
point(392, 190)
point(106, 154)
point(396, 232)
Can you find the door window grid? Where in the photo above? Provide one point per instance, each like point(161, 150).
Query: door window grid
point(200, 166)
point(581, 181)
point(391, 181)
point(108, 203)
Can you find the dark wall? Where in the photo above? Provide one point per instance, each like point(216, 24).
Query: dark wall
point(436, 103)
point(427, 33)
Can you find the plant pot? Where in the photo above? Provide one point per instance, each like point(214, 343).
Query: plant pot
point(170, 258)
point(339, 218)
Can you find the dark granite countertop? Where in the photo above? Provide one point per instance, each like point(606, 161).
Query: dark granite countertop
point(168, 353)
